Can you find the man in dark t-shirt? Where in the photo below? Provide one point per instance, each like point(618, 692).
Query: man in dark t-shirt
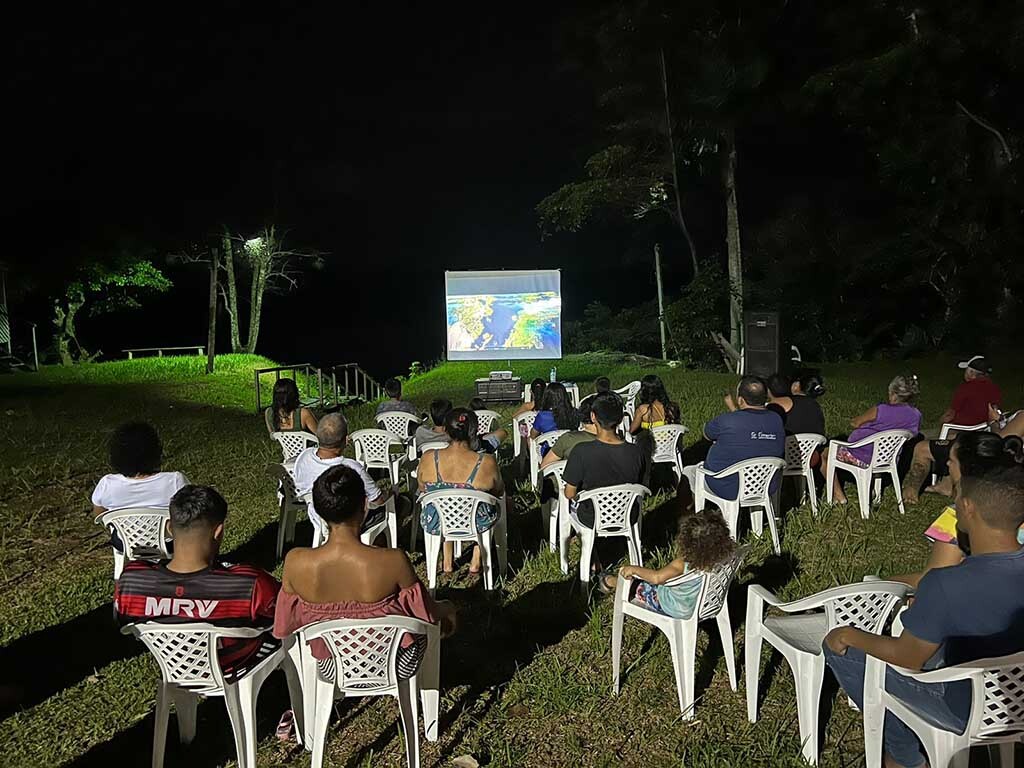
point(605, 461)
point(747, 431)
point(195, 587)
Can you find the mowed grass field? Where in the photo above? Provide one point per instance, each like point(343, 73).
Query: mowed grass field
point(527, 680)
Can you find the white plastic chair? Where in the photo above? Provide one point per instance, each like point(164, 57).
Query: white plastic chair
point(682, 633)
point(548, 439)
point(402, 425)
point(289, 505)
point(947, 428)
point(555, 512)
point(666, 447)
point(294, 443)
point(190, 669)
point(526, 418)
point(613, 507)
point(754, 477)
point(996, 718)
point(365, 653)
point(388, 525)
point(373, 450)
point(485, 421)
point(887, 446)
point(629, 394)
point(800, 450)
point(623, 428)
point(456, 509)
point(142, 531)
point(799, 635)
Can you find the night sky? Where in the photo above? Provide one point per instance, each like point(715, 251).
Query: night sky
point(402, 140)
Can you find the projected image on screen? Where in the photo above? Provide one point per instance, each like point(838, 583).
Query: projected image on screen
point(495, 315)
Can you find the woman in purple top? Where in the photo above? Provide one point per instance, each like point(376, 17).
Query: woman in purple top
point(897, 413)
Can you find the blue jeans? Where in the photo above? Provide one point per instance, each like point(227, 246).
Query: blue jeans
point(944, 705)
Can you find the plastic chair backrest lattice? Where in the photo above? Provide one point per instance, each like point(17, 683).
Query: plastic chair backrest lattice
point(887, 447)
point(398, 423)
point(666, 441)
point(754, 477)
point(1003, 710)
point(456, 509)
point(294, 443)
point(800, 448)
point(862, 610)
point(612, 506)
point(485, 421)
point(372, 447)
point(142, 530)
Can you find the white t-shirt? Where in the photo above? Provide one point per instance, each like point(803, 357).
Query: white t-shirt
point(309, 466)
point(120, 492)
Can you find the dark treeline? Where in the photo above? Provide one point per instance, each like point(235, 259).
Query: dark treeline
point(854, 165)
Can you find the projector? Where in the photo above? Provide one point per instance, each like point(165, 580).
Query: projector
point(501, 375)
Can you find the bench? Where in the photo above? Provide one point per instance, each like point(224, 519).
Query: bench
point(200, 350)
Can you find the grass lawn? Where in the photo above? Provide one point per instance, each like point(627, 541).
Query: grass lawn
point(526, 680)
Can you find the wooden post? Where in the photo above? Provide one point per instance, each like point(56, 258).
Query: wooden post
point(35, 349)
point(256, 376)
point(661, 299)
point(211, 332)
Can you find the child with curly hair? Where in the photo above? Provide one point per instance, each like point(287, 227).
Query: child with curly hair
point(703, 544)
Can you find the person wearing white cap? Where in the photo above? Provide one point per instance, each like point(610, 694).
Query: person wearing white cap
point(970, 406)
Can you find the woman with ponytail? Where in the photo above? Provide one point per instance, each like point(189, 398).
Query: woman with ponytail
point(444, 469)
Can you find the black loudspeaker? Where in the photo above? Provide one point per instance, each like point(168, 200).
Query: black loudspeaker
point(761, 343)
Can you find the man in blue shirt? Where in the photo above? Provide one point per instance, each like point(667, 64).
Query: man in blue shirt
point(973, 610)
point(748, 431)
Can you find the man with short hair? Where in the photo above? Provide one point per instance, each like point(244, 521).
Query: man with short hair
point(193, 586)
point(332, 433)
point(607, 460)
point(394, 401)
point(602, 384)
point(970, 405)
point(747, 431)
point(961, 613)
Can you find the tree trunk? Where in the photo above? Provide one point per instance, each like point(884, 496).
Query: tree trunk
point(680, 220)
point(64, 322)
point(259, 284)
point(732, 238)
point(211, 332)
point(232, 292)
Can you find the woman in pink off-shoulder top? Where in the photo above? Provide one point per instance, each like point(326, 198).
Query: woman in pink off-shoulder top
point(345, 579)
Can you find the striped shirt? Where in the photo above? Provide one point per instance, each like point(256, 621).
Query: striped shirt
point(224, 595)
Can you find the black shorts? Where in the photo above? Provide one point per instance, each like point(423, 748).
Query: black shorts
point(940, 455)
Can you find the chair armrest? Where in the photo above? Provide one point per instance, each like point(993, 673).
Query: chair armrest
point(875, 670)
point(818, 600)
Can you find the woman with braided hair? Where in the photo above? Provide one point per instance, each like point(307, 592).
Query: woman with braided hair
point(445, 469)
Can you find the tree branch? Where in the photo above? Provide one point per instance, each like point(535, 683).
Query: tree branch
point(988, 127)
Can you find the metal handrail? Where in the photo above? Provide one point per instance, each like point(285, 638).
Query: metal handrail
point(277, 370)
point(371, 390)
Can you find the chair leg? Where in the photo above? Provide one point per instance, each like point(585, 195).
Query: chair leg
point(809, 672)
point(586, 552)
point(240, 700)
point(414, 529)
point(432, 545)
point(757, 521)
point(553, 521)
point(773, 527)
point(407, 706)
point(617, 619)
point(899, 492)
point(564, 530)
point(485, 541)
point(752, 639)
point(186, 705)
point(282, 532)
point(812, 491)
point(725, 632)
point(499, 537)
point(296, 695)
point(1004, 754)
point(322, 718)
point(633, 545)
point(683, 646)
point(118, 564)
point(864, 493)
point(163, 713)
point(392, 518)
point(429, 683)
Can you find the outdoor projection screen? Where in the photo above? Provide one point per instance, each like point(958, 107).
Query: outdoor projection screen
point(506, 315)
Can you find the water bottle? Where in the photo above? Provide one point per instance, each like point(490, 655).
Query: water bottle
point(554, 374)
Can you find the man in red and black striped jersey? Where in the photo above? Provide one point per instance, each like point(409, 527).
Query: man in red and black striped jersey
point(194, 586)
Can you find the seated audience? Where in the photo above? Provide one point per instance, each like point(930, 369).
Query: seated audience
point(972, 401)
point(439, 409)
point(346, 579)
point(136, 482)
point(960, 613)
point(607, 460)
point(556, 412)
point(805, 415)
point(602, 384)
point(537, 388)
point(286, 413)
point(808, 382)
point(438, 470)
point(654, 407)
point(703, 543)
point(779, 399)
point(563, 446)
point(898, 413)
point(977, 449)
point(394, 401)
point(194, 586)
point(748, 430)
point(332, 432)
